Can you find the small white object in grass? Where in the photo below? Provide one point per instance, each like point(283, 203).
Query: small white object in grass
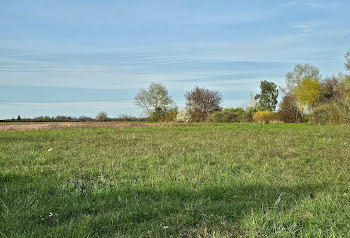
point(165, 227)
point(50, 149)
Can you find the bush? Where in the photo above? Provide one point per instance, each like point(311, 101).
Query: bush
point(125, 117)
point(305, 118)
point(65, 119)
point(101, 116)
point(289, 111)
point(156, 115)
point(163, 115)
point(43, 119)
point(233, 115)
point(85, 118)
point(330, 114)
point(247, 116)
point(227, 115)
point(263, 116)
point(184, 116)
point(170, 115)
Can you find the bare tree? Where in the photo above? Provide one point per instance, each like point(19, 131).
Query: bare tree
point(202, 101)
point(154, 98)
point(347, 58)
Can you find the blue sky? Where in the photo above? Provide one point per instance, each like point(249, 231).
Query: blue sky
point(81, 57)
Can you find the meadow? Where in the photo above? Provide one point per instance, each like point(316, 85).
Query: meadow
point(196, 180)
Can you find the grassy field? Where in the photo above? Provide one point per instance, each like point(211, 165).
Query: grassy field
point(204, 180)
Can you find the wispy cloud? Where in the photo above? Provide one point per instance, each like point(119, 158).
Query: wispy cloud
point(330, 5)
point(229, 46)
point(288, 4)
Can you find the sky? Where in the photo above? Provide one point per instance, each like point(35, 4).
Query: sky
point(85, 56)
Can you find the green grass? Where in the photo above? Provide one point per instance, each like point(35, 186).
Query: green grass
point(206, 180)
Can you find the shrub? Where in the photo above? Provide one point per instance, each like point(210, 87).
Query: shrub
point(101, 116)
point(64, 119)
point(184, 116)
point(85, 118)
point(247, 116)
point(164, 115)
point(170, 115)
point(263, 116)
point(157, 115)
point(305, 118)
point(43, 119)
point(289, 111)
point(216, 117)
point(227, 115)
point(125, 117)
point(330, 114)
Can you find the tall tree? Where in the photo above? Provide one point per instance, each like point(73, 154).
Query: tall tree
point(267, 98)
point(154, 98)
point(301, 72)
point(202, 101)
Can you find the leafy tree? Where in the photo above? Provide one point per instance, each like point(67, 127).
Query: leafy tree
point(19, 118)
point(301, 72)
point(202, 101)
point(307, 93)
point(154, 98)
point(267, 99)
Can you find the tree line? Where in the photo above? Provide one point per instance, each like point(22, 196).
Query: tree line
point(308, 97)
point(100, 117)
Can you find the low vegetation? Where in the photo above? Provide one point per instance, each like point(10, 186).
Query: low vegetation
point(263, 116)
point(203, 180)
